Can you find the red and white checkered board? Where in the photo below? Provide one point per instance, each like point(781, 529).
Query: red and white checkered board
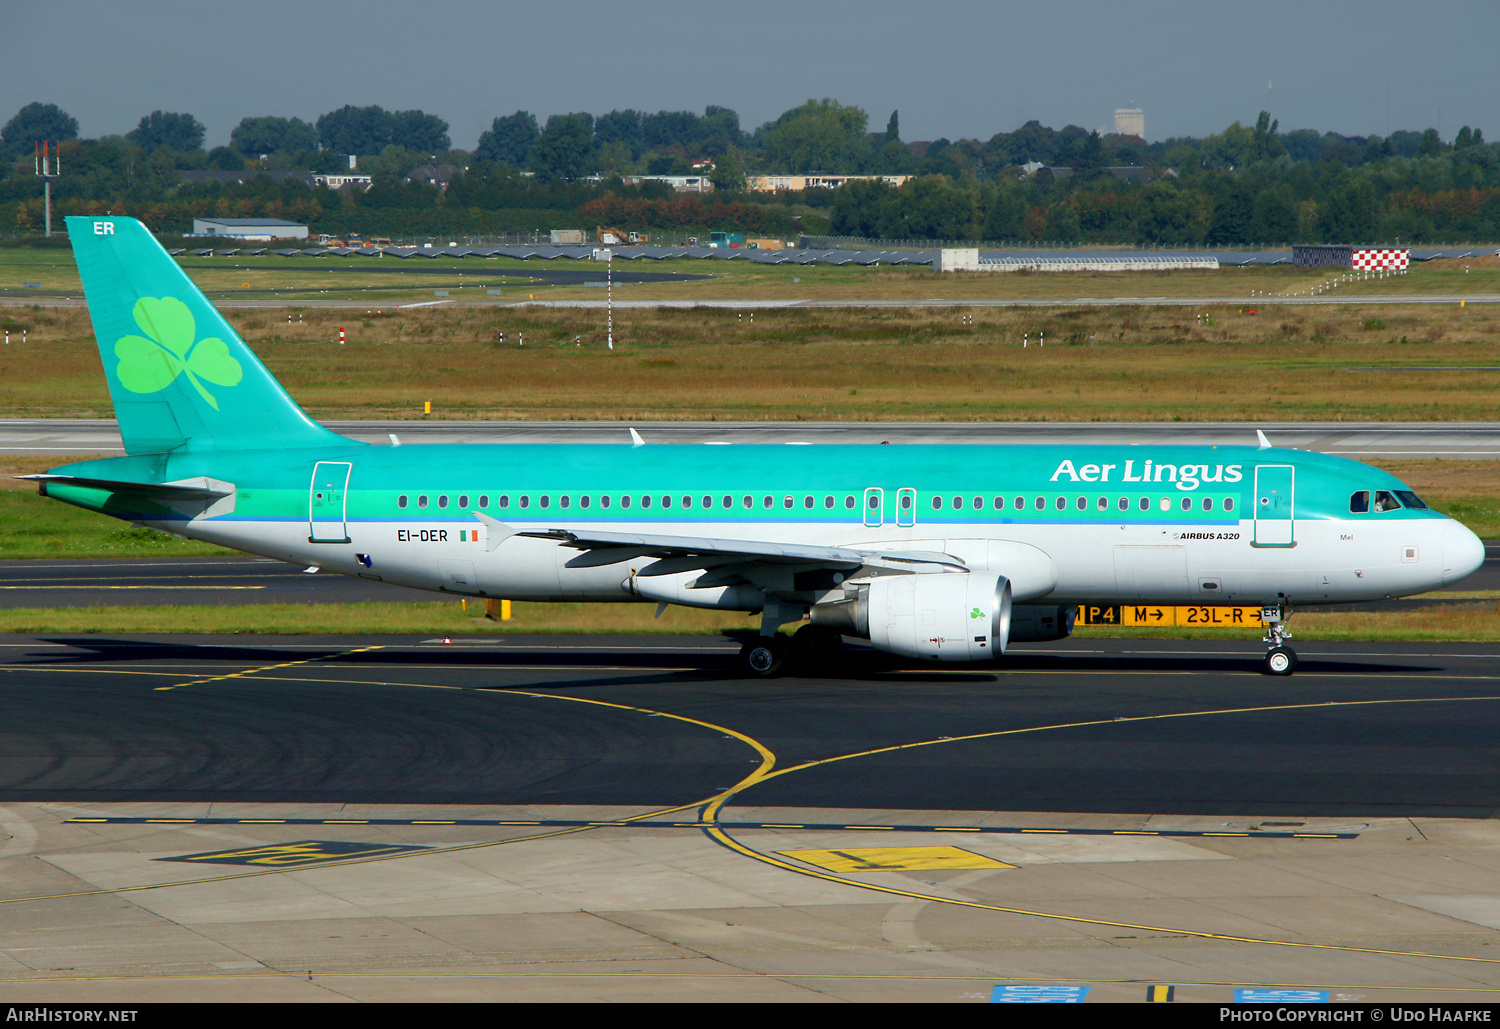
point(1372, 260)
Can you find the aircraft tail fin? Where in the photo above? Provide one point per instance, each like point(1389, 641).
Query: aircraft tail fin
point(180, 377)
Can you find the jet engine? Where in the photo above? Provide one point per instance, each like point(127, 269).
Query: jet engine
point(944, 616)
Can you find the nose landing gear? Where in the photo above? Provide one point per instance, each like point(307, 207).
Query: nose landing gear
point(1279, 660)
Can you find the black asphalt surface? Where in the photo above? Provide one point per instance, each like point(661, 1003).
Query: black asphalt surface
point(253, 580)
point(1150, 727)
point(187, 581)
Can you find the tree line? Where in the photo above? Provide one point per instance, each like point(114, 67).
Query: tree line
point(1247, 184)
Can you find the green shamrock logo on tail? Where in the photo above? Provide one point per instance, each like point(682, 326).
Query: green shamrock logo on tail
point(151, 365)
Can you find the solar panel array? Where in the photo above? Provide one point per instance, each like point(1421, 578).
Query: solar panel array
point(1082, 260)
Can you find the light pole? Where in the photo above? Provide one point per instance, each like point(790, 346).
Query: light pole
point(609, 298)
point(48, 167)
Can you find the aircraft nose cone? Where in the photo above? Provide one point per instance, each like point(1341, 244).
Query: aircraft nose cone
point(1463, 553)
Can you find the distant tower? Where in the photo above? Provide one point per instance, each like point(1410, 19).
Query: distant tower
point(1130, 121)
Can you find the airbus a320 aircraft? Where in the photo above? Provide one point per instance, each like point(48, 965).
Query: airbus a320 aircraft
point(940, 552)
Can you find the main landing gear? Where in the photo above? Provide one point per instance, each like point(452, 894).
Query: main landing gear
point(813, 648)
point(1280, 660)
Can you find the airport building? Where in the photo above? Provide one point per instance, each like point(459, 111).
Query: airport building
point(261, 229)
point(777, 183)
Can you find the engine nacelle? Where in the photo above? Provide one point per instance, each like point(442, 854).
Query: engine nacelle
point(944, 616)
point(676, 589)
point(1038, 623)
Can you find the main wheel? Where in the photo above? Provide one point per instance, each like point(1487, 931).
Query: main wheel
point(1281, 661)
point(816, 647)
point(763, 657)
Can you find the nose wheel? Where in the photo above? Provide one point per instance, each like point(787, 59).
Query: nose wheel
point(1280, 659)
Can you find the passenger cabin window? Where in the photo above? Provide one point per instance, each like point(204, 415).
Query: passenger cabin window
point(401, 501)
point(1062, 503)
point(828, 503)
point(666, 501)
point(525, 501)
point(849, 503)
point(563, 500)
point(748, 502)
point(463, 501)
point(1145, 503)
point(1208, 503)
point(1083, 503)
point(767, 501)
point(624, 500)
point(1411, 500)
point(1187, 503)
point(583, 501)
point(503, 501)
point(484, 500)
point(687, 501)
point(545, 500)
point(787, 502)
point(422, 500)
point(1103, 504)
point(999, 503)
point(1229, 503)
point(604, 500)
point(645, 500)
point(937, 503)
point(1359, 502)
point(958, 502)
point(1020, 503)
point(1386, 501)
point(1041, 503)
point(1124, 504)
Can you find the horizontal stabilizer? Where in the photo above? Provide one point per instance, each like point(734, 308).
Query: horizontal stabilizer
point(195, 489)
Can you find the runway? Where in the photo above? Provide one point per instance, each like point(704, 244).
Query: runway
point(549, 818)
point(1470, 441)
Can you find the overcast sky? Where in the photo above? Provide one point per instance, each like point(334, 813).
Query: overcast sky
point(953, 68)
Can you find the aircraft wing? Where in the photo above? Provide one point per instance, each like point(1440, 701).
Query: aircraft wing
point(686, 553)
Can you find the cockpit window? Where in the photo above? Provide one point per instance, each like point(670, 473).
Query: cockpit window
point(1386, 501)
point(1411, 500)
point(1359, 502)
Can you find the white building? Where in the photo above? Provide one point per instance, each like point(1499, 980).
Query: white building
point(1130, 121)
point(261, 229)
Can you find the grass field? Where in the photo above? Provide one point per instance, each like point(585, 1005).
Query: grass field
point(390, 280)
point(1364, 363)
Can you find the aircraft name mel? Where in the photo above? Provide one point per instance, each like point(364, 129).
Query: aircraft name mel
point(1184, 476)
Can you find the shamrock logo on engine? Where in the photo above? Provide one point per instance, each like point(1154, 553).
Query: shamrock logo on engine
point(149, 365)
point(976, 613)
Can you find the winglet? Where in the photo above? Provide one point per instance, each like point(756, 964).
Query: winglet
point(1260, 437)
point(635, 438)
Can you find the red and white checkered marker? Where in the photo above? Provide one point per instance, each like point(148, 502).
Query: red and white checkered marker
point(1389, 259)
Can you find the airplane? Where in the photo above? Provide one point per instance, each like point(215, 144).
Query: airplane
point(942, 552)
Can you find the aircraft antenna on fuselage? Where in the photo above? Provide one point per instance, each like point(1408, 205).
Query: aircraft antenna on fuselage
point(635, 438)
point(1260, 437)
